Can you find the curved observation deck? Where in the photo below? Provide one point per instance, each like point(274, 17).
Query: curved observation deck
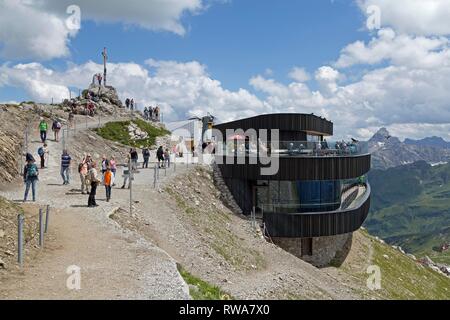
point(317, 224)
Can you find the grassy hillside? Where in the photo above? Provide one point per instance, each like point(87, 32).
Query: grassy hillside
point(401, 277)
point(118, 131)
point(411, 208)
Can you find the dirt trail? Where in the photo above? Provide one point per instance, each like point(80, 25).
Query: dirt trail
point(114, 264)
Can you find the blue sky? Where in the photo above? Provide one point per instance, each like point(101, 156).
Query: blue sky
point(237, 58)
point(235, 40)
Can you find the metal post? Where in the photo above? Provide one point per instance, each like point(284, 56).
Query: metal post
point(47, 216)
point(154, 177)
point(20, 220)
point(158, 173)
point(165, 172)
point(41, 228)
point(64, 139)
point(131, 186)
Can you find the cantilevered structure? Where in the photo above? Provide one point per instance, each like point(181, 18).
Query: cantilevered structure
point(319, 195)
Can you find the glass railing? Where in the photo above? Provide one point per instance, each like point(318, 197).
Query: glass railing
point(294, 149)
point(314, 208)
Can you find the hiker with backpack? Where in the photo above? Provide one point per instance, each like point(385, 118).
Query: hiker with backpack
point(56, 127)
point(30, 178)
point(93, 177)
point(146, 155)
point(65, 167)
point(43, 152)
point(127, 103)
point(43, 128)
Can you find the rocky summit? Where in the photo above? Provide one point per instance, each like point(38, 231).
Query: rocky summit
point(389, 151)
point(104, 98)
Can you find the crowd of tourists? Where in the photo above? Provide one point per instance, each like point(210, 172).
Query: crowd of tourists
point(91, 173)
point(152, 114)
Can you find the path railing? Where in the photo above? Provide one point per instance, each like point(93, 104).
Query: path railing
point(43, 227)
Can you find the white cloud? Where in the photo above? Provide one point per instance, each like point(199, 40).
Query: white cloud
point(418, 17)
point(26, 32)
point(299, 75)
point(182, 89)
point(36, 29)
point(411, 51)
point(148, 14)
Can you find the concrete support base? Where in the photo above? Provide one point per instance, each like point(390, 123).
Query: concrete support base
point(320, 252)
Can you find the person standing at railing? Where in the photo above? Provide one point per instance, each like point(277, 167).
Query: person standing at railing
point(318, 149)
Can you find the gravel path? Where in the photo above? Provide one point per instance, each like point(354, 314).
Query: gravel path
point(114, 264)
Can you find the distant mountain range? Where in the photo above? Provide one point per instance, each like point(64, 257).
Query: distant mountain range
point(388, 151)
point(411, 208)
point(436, 142)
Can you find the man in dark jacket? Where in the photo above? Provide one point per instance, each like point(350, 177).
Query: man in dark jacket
point(146, 155)
point(160, 156)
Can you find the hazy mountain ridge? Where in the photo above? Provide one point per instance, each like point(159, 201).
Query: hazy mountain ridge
point(388, 151)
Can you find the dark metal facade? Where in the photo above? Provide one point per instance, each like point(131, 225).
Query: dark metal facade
point(283, 122)
point(317, 224)
point(300, 168)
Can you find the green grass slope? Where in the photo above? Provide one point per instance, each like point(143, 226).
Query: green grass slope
point(411, 208)
point(118, 131)
point(402, 278)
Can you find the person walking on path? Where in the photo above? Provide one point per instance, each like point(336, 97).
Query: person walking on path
point(132, 104)
point(113, 166)
point(105, 164)
point(93, 177)
point(30, 178)
point(56, 127)
point(146, 155)
point(83, 170)
point(167, 158)
point(126, 173)
point(65, 167)
point(134, 159)
point(107, 181)
point(43, 154)
point(127, 103)
point(43, 128)
point(160, 156)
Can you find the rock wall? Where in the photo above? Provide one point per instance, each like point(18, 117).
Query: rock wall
point(325, 250)
point(226, 196)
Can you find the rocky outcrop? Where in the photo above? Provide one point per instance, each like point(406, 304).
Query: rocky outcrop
point(104, 99)
point(136, 133)
point(440, 268)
